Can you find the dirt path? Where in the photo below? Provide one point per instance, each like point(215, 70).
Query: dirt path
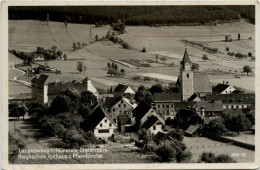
point(31, 136)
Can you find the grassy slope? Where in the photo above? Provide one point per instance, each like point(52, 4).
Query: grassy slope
point(164, 40)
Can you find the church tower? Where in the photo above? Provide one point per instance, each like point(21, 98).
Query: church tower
point(186, 77)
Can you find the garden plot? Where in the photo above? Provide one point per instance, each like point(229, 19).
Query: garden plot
point(160, 76)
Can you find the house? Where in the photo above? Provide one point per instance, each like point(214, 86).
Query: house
point(154, 125)
point(185, 105)
point(186, 117)
point(164, 103)
point(38, 57)
point(126, 124)
point(209, 108)
point(45, 90)
point(143, 112)
point(101, 123)
point(190, 82)
point(224, 88)
point(234, 100)
point(122, 90)
point(196, 97)
point(193, 131)
point(121, 105)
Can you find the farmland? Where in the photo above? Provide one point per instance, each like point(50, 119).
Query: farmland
point(165, 41)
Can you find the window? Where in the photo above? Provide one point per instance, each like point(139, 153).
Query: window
point(105, 120)
point(158, 106)
point(119, 105)
point(168, 112)
point(124, 105)
point(163, 105)
point(188, 75)
point(100, 124)
point(171, 105)
point(114, 110)
point(110, 124)
point(103, 131)
point(122, 101)
point(154, 127)
point(167, 106)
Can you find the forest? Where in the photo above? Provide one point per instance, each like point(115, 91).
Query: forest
point(134, 15)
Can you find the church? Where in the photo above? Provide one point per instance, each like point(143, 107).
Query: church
point(191, 83)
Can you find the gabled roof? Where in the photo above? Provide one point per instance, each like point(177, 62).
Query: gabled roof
point(215, 106)
point(234, 98)
point(111, 101)
point(120, 88)
point(185, 115)
point(219, 88)
point(149, 122)
point(192, 128)
point(141, 110)
point(183, 105)
point(41, 80)
point(55, 88)
point(194, 96)
point(97, 115)
point(201, 82)
point(167, 97)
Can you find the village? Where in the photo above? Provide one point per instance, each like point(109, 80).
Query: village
point(74, 90)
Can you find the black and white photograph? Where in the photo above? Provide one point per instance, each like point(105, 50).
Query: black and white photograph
point(130, 84)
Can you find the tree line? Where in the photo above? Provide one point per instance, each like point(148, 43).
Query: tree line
point(133, 15)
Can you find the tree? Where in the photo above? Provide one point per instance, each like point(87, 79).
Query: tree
point(116, 68)
point(54, 47)
point(80, 66)
point(247, 69)
point(65, 57)
point(125, 45)
point(16, 110)
point(74, 46)
point(216, 127)
point(156, 89)
point(61, 104)
point(238, 36)
point(205, 57)
point(237, 122)
point(78, 45)
point(96, 37)
point(176, 134)
point(148, 98)
point(143, 50)
point(226, 37)
point(113, 65)
point(165, 152)
point(139, 95)
point(146, 136)
point(59, 53)
point(163, 59)
point(108, 65)
point(88, 98)
point(195, 66)
point(84, 68)
point(249, 54)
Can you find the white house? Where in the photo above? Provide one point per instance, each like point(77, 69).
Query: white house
point(101, 123)
point(224, 88)
point(124, 90)
point(45, 90)
point(154, 125)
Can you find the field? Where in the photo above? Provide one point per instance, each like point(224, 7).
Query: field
point(165, 41)
point(197, 145)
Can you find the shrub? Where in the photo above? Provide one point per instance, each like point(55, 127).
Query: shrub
point(227, 48)
point(143, 50)
point(230, 39)
point(229, 53)
point(249, 54)
point(165, 152)
point(232, 53)
point(59, 53)
point(125, 45)
point(239, 55)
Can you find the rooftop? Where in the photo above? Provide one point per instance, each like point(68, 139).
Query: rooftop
point(234, 98)
point(167, 97)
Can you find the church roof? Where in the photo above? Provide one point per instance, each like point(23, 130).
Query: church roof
point(185, 58)
point(201, 82)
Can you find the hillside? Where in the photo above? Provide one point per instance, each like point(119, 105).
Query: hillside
point(134, 15)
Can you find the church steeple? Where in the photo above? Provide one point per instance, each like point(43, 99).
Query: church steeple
point(185, 63)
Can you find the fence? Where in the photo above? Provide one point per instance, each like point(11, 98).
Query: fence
point(236, 143)
point(210, 145)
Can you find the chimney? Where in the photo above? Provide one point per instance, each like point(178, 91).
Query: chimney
point(226, 82)
point(223, 82)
